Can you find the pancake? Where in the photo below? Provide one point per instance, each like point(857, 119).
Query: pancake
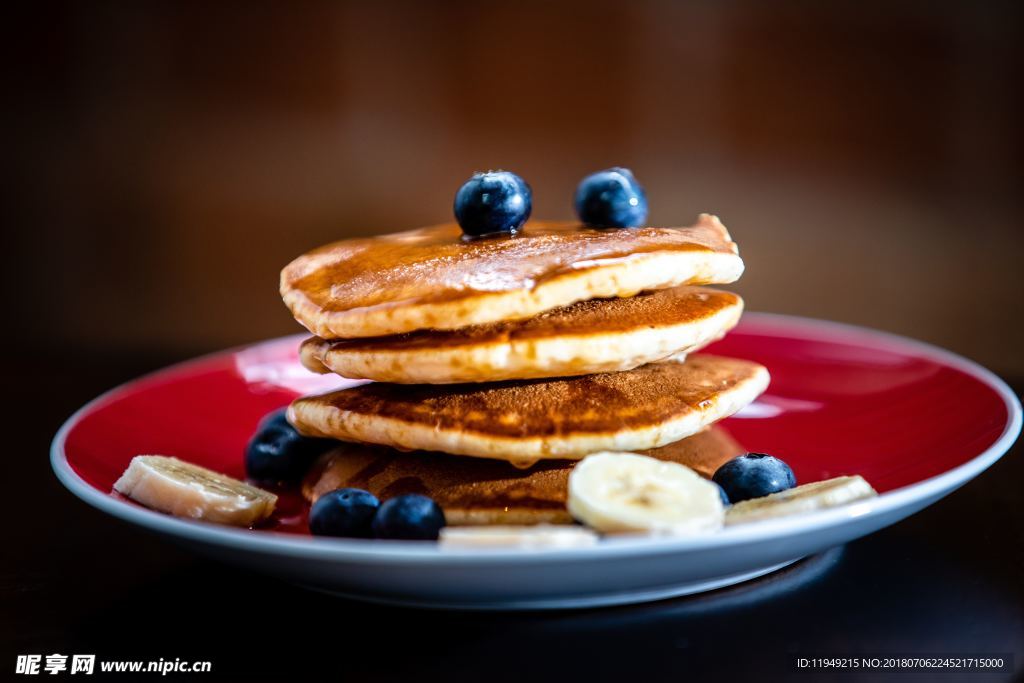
point(477, 491)
point(433, 279)
point(529, 420)
point(600, 335)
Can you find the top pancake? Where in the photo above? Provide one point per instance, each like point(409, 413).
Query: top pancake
point(433, 279)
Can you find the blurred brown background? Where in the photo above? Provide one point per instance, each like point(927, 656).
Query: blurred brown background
point(165, 160)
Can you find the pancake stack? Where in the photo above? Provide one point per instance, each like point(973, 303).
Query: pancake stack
point(497, 363)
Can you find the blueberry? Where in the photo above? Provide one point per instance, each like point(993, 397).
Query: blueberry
point(411, 516)
point(344, 512)
point(277, 454)
point(493, 203)
point(611, 199)
point(753, 475)
point(277, 418)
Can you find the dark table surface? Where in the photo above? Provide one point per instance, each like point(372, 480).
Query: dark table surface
point(947, 581)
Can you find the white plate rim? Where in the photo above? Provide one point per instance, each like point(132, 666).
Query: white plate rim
point(419, 552)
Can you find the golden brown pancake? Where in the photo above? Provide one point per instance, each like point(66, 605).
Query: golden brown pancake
point(433, 279)
point(599, 335)
point(477, 491)
point(525, 421)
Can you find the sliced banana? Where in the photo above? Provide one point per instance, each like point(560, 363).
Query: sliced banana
point(625, 492)
point(522, 537)
point(818, 495)
point(186, 490)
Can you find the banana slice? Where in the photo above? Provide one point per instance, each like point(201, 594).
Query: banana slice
point(525, 537)
point(625, 492)
point(186, 490)
point(818, 495)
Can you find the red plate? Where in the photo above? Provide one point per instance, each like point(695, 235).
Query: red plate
point(841, 401)
point(913, 420)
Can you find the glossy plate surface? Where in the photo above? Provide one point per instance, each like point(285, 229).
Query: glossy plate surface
point(914, 420)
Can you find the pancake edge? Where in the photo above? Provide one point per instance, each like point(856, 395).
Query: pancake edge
point(605, 279)
point(532, 358)
point(456, 516)
point(361, 428)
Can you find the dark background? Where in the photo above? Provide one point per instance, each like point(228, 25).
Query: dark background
point(167, 159)
point(164, 160)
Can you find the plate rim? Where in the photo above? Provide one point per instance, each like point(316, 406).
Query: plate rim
point(417, 552)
